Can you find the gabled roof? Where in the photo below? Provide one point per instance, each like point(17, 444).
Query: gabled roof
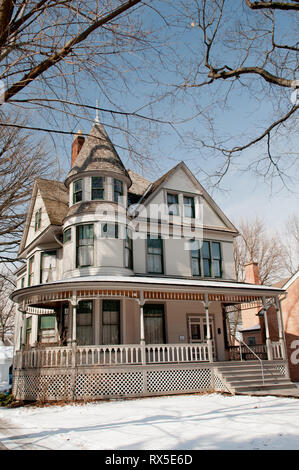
point(55, 198)
point(158, 183)
point(98, 153)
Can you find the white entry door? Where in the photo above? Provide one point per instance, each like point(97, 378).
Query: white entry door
point(198, 331)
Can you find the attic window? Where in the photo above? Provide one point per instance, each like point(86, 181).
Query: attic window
point(189, 208)
point(77, 191)
point(173, 204)
point(37, 219)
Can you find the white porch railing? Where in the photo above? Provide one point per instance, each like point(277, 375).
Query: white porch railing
point(112, 355)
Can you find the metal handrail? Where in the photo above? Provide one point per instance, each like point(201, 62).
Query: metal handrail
point(262, 368)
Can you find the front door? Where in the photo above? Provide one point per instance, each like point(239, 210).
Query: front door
point(197, 326)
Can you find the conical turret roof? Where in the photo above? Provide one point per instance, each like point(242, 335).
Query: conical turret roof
point(98, 153)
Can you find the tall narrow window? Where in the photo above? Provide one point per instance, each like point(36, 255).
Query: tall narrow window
point(195, 258)
point(85, 245)
point(28, 329)
point(155, 255)
point(30, 271)
point(37, 219)
point(84, 329)
point(154, 323)
point(48, 267)
point(111, 321)
point(22, 282)
point(189, 208)
point(173, 204)
point(128, 250)
point(97, 188)
point(118, 189)
point(206, 256)
point(216, 254)
point(77, 191)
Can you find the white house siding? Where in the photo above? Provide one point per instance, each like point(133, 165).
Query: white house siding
point(45, 221)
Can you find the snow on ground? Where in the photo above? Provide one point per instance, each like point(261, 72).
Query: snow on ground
point(186, 422)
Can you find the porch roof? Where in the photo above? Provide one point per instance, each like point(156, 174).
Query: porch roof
point(152, 287)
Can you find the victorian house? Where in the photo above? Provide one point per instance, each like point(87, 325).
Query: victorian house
point(126, 286)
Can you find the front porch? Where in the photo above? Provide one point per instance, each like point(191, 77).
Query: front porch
point(188, 332)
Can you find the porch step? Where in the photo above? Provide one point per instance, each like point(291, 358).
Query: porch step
point(245, 377)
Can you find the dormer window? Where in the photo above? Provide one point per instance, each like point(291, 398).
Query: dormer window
point(97, 188)
point(118, 189)
point(77, 191)
point(37, 220)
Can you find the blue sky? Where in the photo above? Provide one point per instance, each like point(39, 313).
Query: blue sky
point(241, 193)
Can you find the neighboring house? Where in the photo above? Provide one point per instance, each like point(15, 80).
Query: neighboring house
point(254, 324)
point(125, 284)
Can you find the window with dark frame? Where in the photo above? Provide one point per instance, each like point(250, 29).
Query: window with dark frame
point(77, 191)
point(118, 189)
point(84, 245)
point(97, 188)
point(28, 329)
point(45, 322)
point(30, 271)
point(195, 258)
point(128, 250)
point(111, 321)
point(189, 207)
point(155, 255)
point(206, 257)
point(173, 204)
point(216, 255)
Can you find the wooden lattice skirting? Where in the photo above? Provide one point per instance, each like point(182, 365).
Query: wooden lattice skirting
point(83, 383)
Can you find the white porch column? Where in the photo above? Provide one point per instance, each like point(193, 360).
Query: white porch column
point(209, 340)
point(280, 328)
point(142, 334)
point(268, 340)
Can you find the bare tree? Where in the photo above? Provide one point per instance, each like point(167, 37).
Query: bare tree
point(255, 245)
point(234, 50)
point(291, 243)
point(22, 160)
point(7, 307)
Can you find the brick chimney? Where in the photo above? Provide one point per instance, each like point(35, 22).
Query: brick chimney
point(77, 145)
point(252, 274)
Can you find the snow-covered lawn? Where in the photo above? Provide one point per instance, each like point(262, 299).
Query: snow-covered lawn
point(175, 422)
